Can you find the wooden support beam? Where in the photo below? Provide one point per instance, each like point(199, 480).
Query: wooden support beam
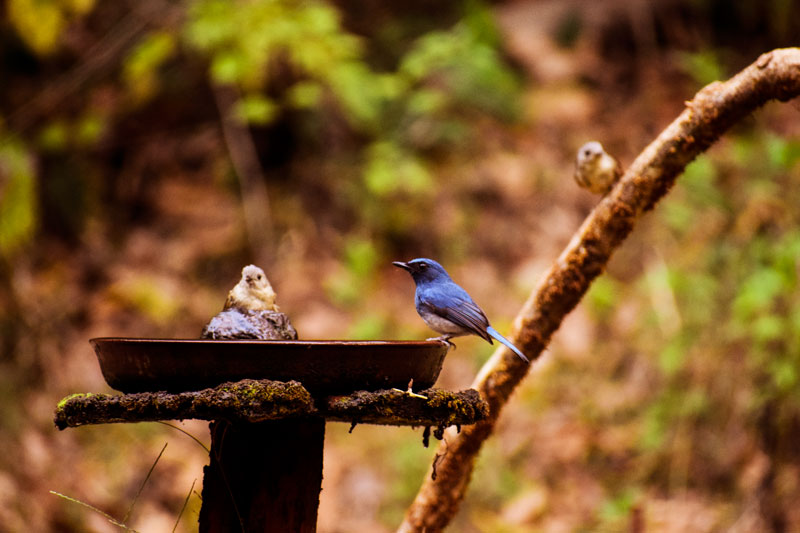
point(263, 477)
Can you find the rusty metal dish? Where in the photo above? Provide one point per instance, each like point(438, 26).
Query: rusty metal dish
point(330, 367)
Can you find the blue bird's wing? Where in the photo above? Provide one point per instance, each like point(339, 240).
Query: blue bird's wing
point(454, 304)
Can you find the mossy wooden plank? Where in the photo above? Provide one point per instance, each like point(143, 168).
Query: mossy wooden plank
point(262, 400)
point(396, 408)
point(247, 401)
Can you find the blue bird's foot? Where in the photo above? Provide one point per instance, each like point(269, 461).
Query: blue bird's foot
point(445, 339)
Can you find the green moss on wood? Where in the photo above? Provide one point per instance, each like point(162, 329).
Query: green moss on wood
point(246, 400)
point(391, 407)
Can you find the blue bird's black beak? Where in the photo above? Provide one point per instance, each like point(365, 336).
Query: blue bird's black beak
point(400, 264)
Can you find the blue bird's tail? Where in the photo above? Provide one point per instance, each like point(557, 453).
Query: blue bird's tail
point(493, 332)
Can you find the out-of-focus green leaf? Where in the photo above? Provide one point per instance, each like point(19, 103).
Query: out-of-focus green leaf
point(79, 7)
point(355, 87)
point(782, 153)
point(147, 296)
point(467, 65)
point(360, 260)
point(361, 257)
point(256, 109)
point(672, 356)
point(619, 506)
point(654, 425)
point(757, 293)
point(704, 67)
point(426, 101)
point(784, 373)
point(391, 169)
point(602, 296)
point(18, 208)
point(89, 129)
point(38, 23)
point(227, 67)
point(54, 137)
point(304, 95)
point(699, 179)
point(371, 326)
point(767, 328)
point(679, 216)
point(140, 69)
point(479, 20)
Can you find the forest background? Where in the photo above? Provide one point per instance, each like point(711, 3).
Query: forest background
point(150, 149)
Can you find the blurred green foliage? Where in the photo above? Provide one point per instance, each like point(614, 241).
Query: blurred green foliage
point(18, 203)
point(140, 69)
point(40, 24)
point(359, 264)
point(704, 66)
point(147, 296)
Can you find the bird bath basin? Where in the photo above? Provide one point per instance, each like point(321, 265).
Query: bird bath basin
point(329, 367)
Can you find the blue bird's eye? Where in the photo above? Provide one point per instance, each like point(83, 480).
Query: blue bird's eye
point(423, 266)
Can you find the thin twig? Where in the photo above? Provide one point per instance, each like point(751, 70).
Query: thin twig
point(185, 503)
point(107, 516)
point(141, 487)
point(173, 426)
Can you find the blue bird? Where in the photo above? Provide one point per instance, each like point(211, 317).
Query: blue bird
point(447, 308)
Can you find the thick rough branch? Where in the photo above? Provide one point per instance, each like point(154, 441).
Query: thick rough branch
point(246, 401)
point(260, 400)
point(774, 76)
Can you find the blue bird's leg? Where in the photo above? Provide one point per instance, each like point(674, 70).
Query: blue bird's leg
point(445, 339)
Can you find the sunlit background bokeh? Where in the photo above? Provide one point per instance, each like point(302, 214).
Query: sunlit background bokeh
point(150, 149)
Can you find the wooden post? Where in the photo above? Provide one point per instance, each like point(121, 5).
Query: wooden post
point(263, 477)
point(265, 467)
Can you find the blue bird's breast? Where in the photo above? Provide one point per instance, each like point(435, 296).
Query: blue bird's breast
point(441, 324)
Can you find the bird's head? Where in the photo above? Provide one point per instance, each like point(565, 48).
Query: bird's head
point(255, 277)
point(423, 270)
point(589, 152)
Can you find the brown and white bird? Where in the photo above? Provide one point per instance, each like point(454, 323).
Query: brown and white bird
point(250, 312)
point(253, 292)
point(595, 169)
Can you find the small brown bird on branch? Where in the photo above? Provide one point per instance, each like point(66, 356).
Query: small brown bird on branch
point(595, 169)
point(250, 312)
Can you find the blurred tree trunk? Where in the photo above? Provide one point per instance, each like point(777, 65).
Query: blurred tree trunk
point(252, 183)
